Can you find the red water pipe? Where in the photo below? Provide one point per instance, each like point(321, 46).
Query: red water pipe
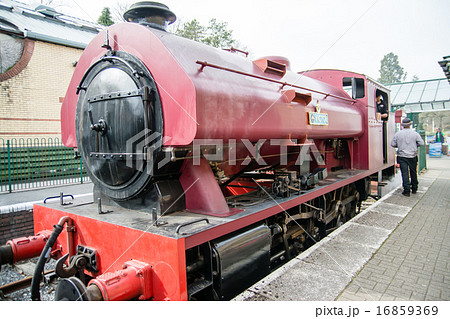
point(133, 281)
point(28, 247)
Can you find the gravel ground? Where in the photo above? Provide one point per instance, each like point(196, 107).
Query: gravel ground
point(10, 274)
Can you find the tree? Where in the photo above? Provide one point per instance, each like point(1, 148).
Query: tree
point(391, 71)
point(432, 120)
point(191, 30)
point(105, 17)
point(118, 9)
point(216, 34)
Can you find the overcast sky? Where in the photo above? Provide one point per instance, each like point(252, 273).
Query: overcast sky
point(339, 34)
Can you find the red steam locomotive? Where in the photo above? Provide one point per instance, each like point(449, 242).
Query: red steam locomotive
point(209, 169)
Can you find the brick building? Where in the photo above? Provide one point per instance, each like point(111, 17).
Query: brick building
point(38, 50)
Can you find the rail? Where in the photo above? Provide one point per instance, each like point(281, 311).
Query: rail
point(19, 284)
point(283, 84)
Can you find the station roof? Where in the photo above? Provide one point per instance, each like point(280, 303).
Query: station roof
point(421, 96)
point(45, 24)
point(445, 65)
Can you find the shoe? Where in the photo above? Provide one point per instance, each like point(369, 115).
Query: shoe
point(405, 194)
point(414, 191)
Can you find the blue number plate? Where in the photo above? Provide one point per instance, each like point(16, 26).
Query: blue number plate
point(318, 118)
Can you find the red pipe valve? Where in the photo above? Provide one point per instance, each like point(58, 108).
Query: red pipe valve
point(133, 281)
point(28, 247)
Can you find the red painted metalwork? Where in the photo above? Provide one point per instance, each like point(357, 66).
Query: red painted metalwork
point(234, 50)
point(239, 188)
point(292, 96)
point(176, 90)
point(133, 281)
point(29, 247)
point(398, 116)
point(117, 245)
point(369, 146)
point(194, 102)
point(271, 66)
point(202, 193)
point(283, 84)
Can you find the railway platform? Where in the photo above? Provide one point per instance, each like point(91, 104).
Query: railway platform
point(396, 250)
point(24, 199)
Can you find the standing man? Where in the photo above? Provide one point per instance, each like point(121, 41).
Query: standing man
point(439, 136)
point(382, 108)
point(407, 142)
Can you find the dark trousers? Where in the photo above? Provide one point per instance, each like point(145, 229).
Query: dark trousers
point(384, 142)
point(408, 166)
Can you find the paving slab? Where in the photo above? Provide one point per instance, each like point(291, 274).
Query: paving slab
point(379, 220)
point(305, 281)
point(397, 249)
point(372, 237)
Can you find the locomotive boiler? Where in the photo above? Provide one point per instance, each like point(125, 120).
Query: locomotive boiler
point(209, 169)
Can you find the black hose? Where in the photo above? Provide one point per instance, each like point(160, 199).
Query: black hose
point(35, 283)
point(6, 255)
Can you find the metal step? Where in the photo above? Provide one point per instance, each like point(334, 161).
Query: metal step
point(198, 286)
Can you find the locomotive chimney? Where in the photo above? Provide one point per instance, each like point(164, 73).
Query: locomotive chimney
point(149, 13)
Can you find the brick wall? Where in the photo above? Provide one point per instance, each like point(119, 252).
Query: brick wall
point(16, 224)
point(31, 103)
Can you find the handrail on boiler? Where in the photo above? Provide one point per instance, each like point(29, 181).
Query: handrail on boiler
point(206, 64)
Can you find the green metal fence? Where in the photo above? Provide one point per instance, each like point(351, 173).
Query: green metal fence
point(32, 163)
point(422, 154)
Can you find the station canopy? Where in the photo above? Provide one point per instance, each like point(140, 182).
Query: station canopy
point(420, 96)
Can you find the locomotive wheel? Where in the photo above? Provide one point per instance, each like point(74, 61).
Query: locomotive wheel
point(339, 211)
point(71, 289)
point(342, 218)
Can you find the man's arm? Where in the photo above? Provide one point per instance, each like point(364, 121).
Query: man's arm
point(394, 141)
point(382, 109)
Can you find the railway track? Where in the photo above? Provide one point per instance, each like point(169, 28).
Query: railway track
point(15, 282)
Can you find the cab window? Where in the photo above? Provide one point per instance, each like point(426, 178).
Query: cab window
point(354, 87)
